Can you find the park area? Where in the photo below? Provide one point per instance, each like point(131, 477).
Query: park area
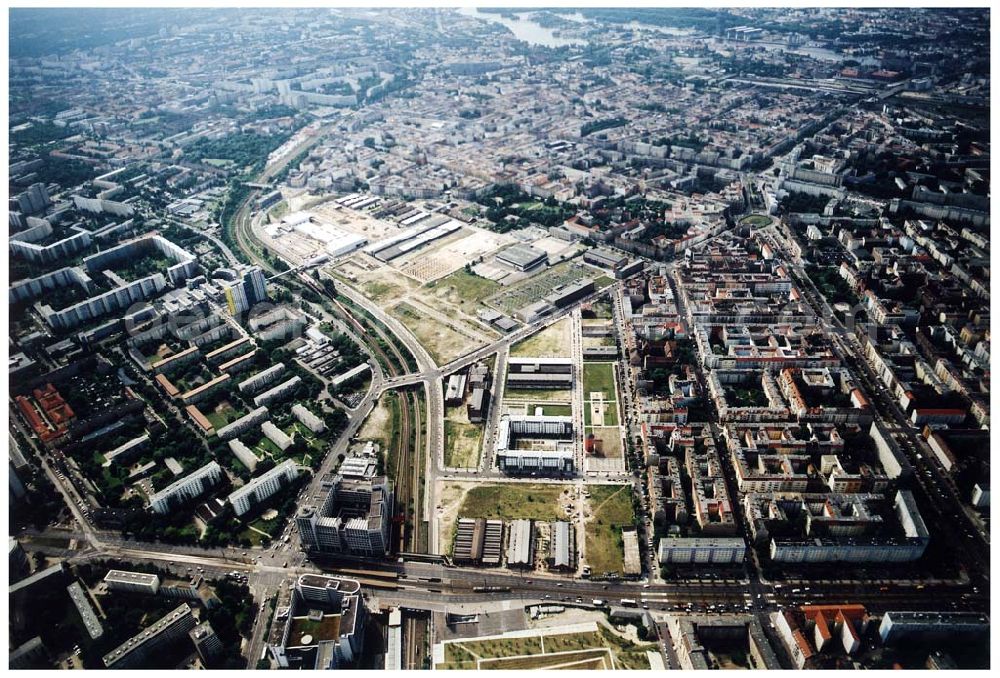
point(461, 289)
point(580, 646)
point(599, 378)
point(610, 509)
point(758, 220)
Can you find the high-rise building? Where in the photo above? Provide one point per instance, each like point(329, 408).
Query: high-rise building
point(206, 643)
point(134, 651)
point(236, 299)
point(262, 487)
point(190, 486)
point(351, 512)
point(255, 286)
point(249, 290)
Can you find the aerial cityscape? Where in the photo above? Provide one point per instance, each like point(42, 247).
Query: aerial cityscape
point(597, 338)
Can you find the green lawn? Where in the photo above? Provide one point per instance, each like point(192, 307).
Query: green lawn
point(509, 501)
point(590, 649)
point(611, 507)
point(461, 444)
point(314, 443)
point(599, 377)
point(610, 414)
point(381, 292)
point(468, 286)
point(222, 415)
point(552, 410)
point(602, 310)
point(504, 647)
point(535, 394)
point(266, 448)
point(758, 220)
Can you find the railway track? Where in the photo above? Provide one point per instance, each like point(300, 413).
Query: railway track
point(407, 474)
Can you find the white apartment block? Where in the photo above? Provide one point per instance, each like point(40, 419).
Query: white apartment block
point(276, 435)
point(258, 381)
point(133, 582)
point(244, 454)
point(262, 487)
point(280, 391)
point(308, 419)
point(188, 487)
point(244, 423)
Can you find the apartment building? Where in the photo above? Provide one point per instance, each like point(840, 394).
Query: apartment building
point(279, 392)
point(264, 378)
point(190, 486)
point(260, 488)
point(135, 651)
point(308, 419)
point(701, 550)
point(243, 424)
point(132, 582)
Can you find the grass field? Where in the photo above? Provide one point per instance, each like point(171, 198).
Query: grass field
point(382, 426)
point(381, 292)
point(758, 220)
point(611, 507)
point(442, 343)
point(552, 410)
point(600, 414)
point(510, 501)
point(551, 342)
point(222, 414)
point(537, 394)
point(599, 377)
point(259, 525)
point(463, 288)
point(601, 310)
point(462, 439)
point(265, 448)
point(597, 658)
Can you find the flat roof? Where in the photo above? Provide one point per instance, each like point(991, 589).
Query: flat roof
point(128, 577)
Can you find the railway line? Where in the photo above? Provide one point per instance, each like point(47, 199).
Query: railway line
point(407, 471)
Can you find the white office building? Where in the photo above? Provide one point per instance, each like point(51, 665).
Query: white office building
point(132, 582)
